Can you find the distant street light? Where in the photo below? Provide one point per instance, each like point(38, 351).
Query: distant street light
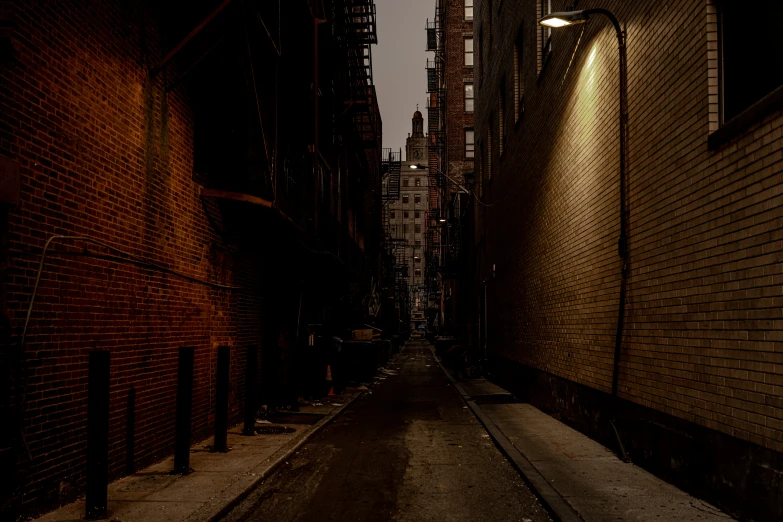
point(563, 19)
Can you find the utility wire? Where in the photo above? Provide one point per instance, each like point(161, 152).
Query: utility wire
point(130, 259)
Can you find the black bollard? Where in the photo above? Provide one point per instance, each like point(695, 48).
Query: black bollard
point(97, 435)
point(184, 411)
point(251, 390)
point(130, 433)
point(221, 399)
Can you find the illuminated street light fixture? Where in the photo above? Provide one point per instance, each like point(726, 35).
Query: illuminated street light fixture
point(564, 19)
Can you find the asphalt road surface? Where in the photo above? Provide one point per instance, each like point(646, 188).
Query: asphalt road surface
point(410, 451)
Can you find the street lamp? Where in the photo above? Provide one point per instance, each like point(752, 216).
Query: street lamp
point(564, 19)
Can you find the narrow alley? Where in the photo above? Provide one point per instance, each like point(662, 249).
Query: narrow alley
point(410, 451)
point(373, 260)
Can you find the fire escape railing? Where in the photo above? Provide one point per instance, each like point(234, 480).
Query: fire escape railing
point(436, 122)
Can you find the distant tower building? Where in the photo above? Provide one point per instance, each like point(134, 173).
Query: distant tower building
point(408, 214)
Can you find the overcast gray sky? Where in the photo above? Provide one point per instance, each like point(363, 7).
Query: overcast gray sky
point(398, 65)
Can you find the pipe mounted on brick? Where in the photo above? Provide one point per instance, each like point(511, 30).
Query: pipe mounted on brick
point(129, 259)
point(576, 17)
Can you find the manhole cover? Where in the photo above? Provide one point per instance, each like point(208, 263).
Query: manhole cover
point(273, 430)
point(148, 483)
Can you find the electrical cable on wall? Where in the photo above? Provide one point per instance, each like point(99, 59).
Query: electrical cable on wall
point(129, 259)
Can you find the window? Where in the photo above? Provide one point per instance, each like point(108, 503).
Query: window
point(417, 198)
point(417, 229)
point(404, 199)
point(468, 97)
point(501, 118)
point(751, 53)
point(417, 214)
point(404, 229)
point(417, 272)
point(468, 9)
point(404, 182)
point(417, 242)
point(393, 215)
point(544, 33)
point(470, 145)
point(405, 214)
point(468, 52)
point(519, 84)
point(417, 182)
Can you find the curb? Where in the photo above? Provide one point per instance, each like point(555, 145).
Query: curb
point(560, 509)
point(219, 507)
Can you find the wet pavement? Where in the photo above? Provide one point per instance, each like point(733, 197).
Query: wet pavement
point(409, 451)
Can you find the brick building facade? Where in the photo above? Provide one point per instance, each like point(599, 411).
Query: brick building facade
point(407, 219)
point(452, 97)
point(231, 221)
point(700, 373)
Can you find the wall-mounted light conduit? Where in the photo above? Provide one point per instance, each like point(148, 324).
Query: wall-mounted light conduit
point(573, 17)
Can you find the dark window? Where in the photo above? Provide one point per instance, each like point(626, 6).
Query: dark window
point(406, 214)
point(751, 52)
point(417, 229)
point(417, 182)
point(404, 182)
point(404, 199)
point(417, 198)
point(393, 215)
point(417, 214)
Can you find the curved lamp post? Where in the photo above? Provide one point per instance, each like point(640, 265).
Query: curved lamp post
point(564, 19)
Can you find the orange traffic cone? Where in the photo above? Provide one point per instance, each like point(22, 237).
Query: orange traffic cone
point(329, 380)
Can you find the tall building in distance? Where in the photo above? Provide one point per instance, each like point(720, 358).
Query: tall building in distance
point(406, 219)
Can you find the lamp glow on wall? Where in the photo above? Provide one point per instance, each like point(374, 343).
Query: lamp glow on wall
point(569, 18)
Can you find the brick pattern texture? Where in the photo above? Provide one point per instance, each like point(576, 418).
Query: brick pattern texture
point(457, 29)
point(106, 153)
point(704, 325)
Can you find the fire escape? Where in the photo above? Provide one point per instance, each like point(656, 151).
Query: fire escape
point(394, 240)
point(436, 122)
point(355, 32)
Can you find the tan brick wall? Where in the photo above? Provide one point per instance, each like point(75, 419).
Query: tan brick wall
point(704, 319)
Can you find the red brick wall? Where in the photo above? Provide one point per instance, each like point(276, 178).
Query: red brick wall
point(106, 153)
point(457, 120)
point(703, 327)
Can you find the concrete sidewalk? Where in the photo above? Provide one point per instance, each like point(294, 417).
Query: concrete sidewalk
point(218, 481)
point(576, 477)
